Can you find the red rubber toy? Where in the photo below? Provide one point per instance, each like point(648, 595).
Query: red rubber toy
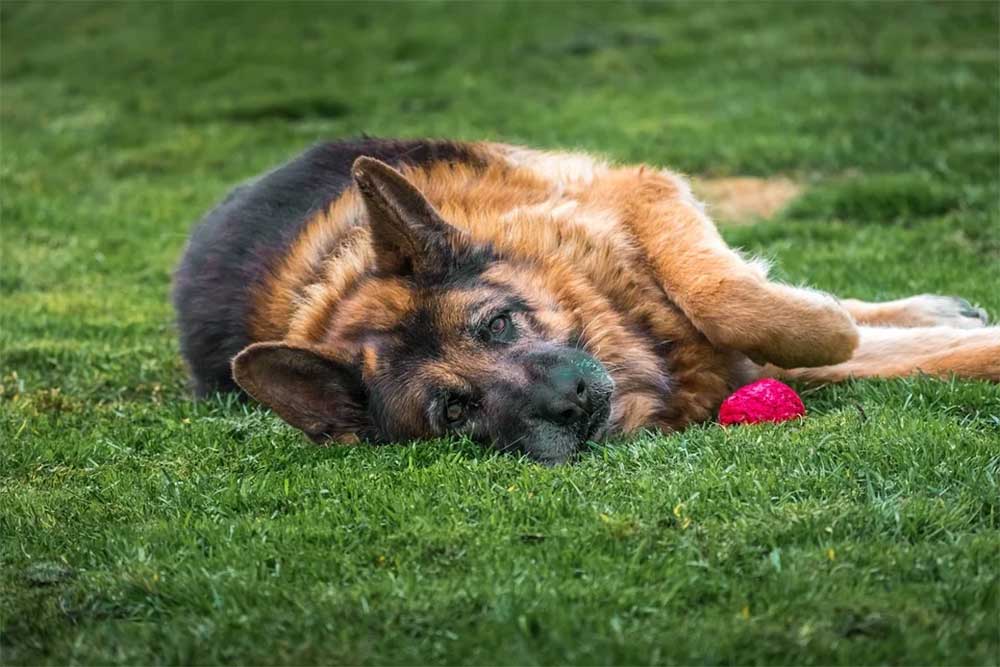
point(765, 400)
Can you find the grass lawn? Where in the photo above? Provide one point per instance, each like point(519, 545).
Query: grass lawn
point(137, 526)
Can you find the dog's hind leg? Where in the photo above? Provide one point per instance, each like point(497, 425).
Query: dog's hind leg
point(924, 310)
point(727, 297)
point(887, 352)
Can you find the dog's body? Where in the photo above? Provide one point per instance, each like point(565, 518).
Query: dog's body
point(480, 278)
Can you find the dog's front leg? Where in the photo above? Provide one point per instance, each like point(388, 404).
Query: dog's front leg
point(923, 310)
point(727, 297)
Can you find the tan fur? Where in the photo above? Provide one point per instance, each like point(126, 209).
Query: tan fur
point(898, 352)
point(924, 310)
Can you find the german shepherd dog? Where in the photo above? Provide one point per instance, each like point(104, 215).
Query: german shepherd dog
point(379, 291)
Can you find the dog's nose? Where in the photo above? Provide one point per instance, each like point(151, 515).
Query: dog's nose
point(563, 397)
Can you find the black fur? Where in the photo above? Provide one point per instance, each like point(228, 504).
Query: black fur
point(235, 245)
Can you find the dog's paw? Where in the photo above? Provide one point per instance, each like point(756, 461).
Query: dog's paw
point(927, 310)
point(800, 327)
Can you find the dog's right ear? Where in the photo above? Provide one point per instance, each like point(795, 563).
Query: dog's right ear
point(408, 234)
point(324, 398)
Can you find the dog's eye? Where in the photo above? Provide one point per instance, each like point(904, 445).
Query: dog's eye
point(500, 328)
point(454, 412)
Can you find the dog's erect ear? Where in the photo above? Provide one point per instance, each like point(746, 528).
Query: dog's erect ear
point(409, 235)
point(324, 398)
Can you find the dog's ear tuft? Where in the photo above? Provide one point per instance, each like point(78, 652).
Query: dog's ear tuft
point(409, 235)
point(322, 397)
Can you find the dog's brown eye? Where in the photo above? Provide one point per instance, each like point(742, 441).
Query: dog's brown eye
point(454, 412)
point(499, 324)
point(499, 329)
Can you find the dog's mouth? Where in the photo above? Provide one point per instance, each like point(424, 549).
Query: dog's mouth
point(600, 419)
point(598, 426)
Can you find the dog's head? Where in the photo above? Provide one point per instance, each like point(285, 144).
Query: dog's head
point(444, 336)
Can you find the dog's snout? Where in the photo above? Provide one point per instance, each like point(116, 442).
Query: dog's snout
point(563, 401)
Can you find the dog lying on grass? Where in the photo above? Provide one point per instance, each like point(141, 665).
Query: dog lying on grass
point(381, 291)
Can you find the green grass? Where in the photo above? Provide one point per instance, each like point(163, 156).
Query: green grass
point(139, 527)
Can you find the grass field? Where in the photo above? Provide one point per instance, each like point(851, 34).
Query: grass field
point(139, 527)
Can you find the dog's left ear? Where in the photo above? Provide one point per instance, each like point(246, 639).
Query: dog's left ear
point(321, 396)
point(409, 235)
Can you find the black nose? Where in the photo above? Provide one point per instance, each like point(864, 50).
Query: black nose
point(563, 397)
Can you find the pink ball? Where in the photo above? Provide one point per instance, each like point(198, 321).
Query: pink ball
point(765, 400)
